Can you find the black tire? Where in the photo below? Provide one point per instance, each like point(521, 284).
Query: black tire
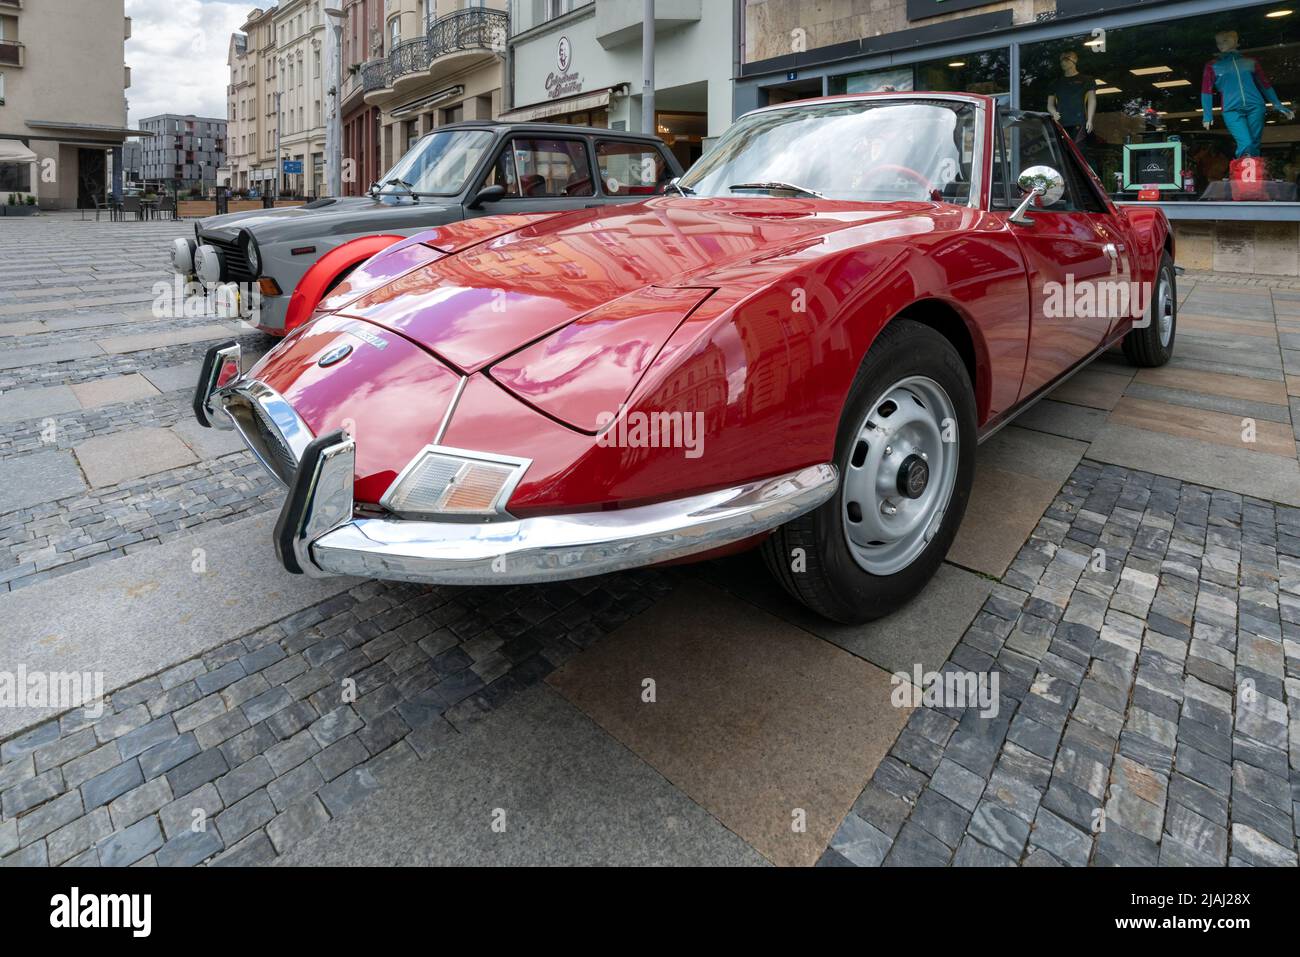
point(1144, 347)
point(824, 575)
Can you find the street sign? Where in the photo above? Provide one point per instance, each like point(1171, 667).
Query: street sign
point(292, 167)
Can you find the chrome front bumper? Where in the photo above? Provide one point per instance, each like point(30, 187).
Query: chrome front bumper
point(319, 534)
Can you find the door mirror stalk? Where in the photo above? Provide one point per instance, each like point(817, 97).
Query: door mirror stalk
point(1037, 182)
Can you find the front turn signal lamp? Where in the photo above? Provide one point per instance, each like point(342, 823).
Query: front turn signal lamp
point(445, 483)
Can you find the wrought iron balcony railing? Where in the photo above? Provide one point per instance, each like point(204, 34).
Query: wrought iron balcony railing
point(374, 75)
point(477, 28)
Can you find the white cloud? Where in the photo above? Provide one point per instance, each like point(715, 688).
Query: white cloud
point(177, 54)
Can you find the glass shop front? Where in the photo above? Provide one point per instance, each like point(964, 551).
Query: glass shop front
point(1187, 110)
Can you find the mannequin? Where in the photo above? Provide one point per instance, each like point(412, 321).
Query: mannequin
point(1246, 92)
point(1073, 100)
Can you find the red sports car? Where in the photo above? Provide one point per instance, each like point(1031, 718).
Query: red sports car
point(799, 348)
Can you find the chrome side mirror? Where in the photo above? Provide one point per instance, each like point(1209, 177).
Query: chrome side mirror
point(1035, 182)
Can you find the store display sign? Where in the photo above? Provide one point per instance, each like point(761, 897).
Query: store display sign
point(924, 9)
point(1153, 165)
point(564, 81)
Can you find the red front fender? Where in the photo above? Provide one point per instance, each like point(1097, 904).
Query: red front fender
point(311, 290)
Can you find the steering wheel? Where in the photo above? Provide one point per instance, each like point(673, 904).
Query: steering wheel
point(926, 186)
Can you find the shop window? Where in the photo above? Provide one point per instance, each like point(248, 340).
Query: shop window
point(15, 177)
point(1132, 99)
point(534, 168)
point(627, 169)
point(986, 71)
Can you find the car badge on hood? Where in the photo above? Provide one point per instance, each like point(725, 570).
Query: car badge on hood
point(335, 355)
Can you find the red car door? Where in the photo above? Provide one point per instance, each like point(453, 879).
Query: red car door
point(1075, 250)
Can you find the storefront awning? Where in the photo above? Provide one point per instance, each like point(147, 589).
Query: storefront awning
point(564, 105)
point(13, 151)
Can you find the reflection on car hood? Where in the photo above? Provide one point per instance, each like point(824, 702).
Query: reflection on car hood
point(331, 217)
point(488, 299)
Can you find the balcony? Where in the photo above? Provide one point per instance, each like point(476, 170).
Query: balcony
point(12, 53)
point(619, 22)
point(450, 45)
point(11, 4)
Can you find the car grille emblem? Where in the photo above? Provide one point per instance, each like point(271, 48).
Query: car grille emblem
point(335, 355)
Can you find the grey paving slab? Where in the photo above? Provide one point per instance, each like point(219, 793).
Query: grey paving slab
point(1064, 419)
point(37, 355)
point(21, 404)
point(1212, 403)
point(154, 340)
point(145, 612)
point(1271, 477)
point(114, 458)
point(570, 794)
point(39, 477)
point(178, 378)
point(208, 443)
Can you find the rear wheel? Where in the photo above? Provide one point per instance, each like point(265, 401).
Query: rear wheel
point(1153, 343)
point(905, 451)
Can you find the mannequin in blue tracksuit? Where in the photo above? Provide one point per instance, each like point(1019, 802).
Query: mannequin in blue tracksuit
point(1246, 91)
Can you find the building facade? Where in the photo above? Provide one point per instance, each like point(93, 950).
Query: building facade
point(183, 151)
point(579, 61)
point(63, 123)
point(251, 113)
point(442, 61)
point(363, 41)
point(300, 58)
point(1145, 62)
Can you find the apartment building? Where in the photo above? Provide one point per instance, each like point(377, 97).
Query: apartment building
point(183, 150)
point(363, 40)
point(62, 124)
point(251, 115)
point(441, 62)
point(300, 58)
point(579, 61)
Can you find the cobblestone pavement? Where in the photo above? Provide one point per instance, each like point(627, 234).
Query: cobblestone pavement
point(1119, 635)
point(1129, 572)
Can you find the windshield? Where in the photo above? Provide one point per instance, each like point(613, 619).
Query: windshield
point(439, 164)
point(860, 150)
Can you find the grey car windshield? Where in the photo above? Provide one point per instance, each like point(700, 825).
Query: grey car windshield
point(857, 150)
point(438, 165)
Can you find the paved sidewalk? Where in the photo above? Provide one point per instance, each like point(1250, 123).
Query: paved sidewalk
point(1129, 570)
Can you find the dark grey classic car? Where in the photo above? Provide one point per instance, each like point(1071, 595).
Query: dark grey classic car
point(459, 171)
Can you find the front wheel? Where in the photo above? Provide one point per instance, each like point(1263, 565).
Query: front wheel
point(1152, 343)
point(905, 450)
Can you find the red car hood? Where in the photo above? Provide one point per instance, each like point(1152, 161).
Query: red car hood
point(487, 300)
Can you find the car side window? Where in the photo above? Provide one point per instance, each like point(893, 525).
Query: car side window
point(1001, 193)
point(537, 168)
point(631, 169)
point(1031, 141)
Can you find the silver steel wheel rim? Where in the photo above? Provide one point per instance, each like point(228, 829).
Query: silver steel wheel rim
point(885, 528)
point(1165, 307)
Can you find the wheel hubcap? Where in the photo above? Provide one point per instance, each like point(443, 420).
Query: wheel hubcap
point(1165, 311)
point(900, 475)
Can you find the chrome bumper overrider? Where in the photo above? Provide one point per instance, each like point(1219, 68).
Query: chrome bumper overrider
point(319, 534)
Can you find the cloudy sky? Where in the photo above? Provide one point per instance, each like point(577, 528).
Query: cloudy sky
point(177, 54)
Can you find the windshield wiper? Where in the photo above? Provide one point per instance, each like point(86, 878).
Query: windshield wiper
point(682, 190)
point(410, 190)
point(788, 187)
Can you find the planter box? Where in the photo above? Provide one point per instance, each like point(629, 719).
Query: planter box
point(20, 210)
